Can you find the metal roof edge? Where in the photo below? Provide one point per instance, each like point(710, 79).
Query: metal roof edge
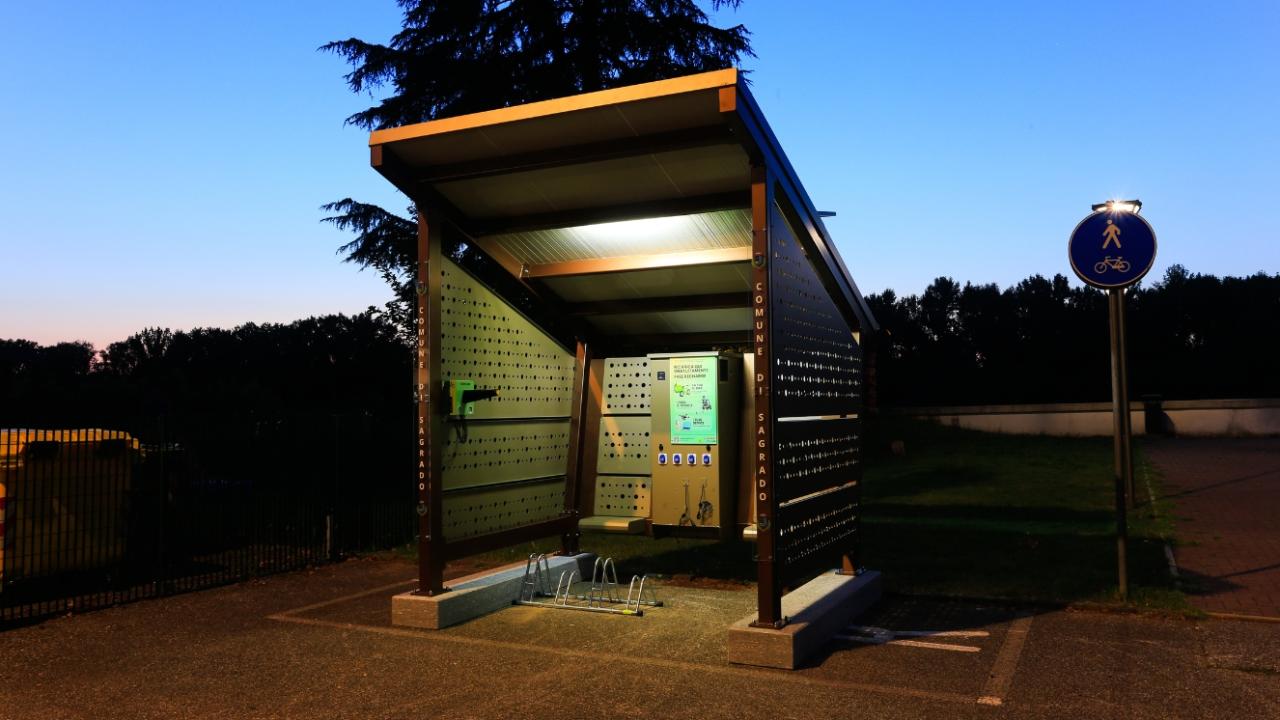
point(545, 108)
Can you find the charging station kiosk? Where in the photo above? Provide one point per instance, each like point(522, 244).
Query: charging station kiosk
point(693, 442)
point(630, 318)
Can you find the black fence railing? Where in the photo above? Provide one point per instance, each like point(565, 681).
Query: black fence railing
point(96, 514)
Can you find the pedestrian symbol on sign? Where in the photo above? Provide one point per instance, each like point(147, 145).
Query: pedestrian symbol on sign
point(1112, 235)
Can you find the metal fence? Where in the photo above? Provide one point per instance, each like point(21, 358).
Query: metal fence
point(96, 514)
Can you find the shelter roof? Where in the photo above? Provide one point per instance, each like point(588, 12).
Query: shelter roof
point(555, 192)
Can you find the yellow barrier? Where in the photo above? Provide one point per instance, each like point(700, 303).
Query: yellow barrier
point(63, 498)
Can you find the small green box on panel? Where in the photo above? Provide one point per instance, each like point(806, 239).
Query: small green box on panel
point(456, 405)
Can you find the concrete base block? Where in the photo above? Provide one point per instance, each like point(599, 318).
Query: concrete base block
point(612, 524)
point(475, 595)
point(816, 610)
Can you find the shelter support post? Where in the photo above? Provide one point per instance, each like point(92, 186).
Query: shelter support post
point(578, 427)
point(1123, 462)
point(769, 574)
point(429, 397)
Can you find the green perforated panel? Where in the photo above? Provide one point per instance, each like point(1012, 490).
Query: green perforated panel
point(489, 511)
point(624, 445)
point(501, 452)
point(623, 485)
point(523, 434)
point(626, 385)
point(486, 340)
point(622, 495)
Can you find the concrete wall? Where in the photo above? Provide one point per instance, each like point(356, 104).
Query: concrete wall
point(1178, 417)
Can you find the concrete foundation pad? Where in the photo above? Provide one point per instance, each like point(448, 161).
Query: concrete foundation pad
point(816, 610)
point(475, 595)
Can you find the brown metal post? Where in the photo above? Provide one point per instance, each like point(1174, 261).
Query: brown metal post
point(577, 444)
point(1120, 414)
point(769, 574)
point(429, 396)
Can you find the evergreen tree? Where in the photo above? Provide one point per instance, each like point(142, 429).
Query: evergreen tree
point(461, 56)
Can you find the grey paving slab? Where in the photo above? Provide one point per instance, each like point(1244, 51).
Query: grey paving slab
point(1227, 497)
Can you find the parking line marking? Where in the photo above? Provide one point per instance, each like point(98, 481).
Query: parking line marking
point(909, 643)
point(613, 658)
point(943, 633)
point(1006, 663)
point(353, 596)
point(869, 630)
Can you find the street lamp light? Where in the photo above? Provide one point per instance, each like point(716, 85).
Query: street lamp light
point(1129, 206)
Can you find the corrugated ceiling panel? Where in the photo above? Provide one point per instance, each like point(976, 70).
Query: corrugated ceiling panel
point(702, 231)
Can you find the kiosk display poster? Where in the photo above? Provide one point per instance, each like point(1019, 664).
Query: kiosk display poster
point(693, 401)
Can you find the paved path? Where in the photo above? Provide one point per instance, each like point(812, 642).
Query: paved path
point(1227, 495)
point(319, 645)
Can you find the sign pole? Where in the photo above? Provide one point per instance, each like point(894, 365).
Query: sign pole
point(1120, 422)
point(1126, 416)
point(1111, 249)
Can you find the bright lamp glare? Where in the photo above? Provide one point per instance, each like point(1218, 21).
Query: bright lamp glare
point(629, 230)
point(1115, 206)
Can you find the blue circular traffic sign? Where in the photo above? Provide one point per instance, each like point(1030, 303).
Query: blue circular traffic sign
point(1112, 248)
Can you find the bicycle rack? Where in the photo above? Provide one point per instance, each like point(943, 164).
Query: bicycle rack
point(602, 595)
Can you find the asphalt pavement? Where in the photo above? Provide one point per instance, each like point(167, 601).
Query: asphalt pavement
point(319, 644)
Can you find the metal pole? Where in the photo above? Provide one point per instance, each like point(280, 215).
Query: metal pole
point(1120, 423)
point(1126, 465)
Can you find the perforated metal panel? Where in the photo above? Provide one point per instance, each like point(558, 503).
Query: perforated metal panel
point(626, 385)
point(486, 340)
point(501, 452)
point(813, 531)
point(623, 495)
point(492, 510)
point(817, 365)
point(816, 369)
point(523, 434)
point(623, 487)
point(812, 455)
point(624, 445)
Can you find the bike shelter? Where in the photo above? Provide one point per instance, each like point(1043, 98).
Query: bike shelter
point(631, 318)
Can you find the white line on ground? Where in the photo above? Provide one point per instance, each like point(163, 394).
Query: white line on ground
point(866, 629)
point(1006, 663)
point(344, 598)
point(870, 640)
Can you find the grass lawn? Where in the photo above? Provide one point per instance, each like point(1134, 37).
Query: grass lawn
point(1021, 517)
point(961, 513)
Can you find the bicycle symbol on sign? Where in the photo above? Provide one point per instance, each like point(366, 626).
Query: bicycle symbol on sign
point(1118, 264)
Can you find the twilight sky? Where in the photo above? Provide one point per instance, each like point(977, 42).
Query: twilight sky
point(163, 164)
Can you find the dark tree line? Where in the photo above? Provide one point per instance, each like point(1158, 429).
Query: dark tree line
point(1190, 336)
point(335, 364)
